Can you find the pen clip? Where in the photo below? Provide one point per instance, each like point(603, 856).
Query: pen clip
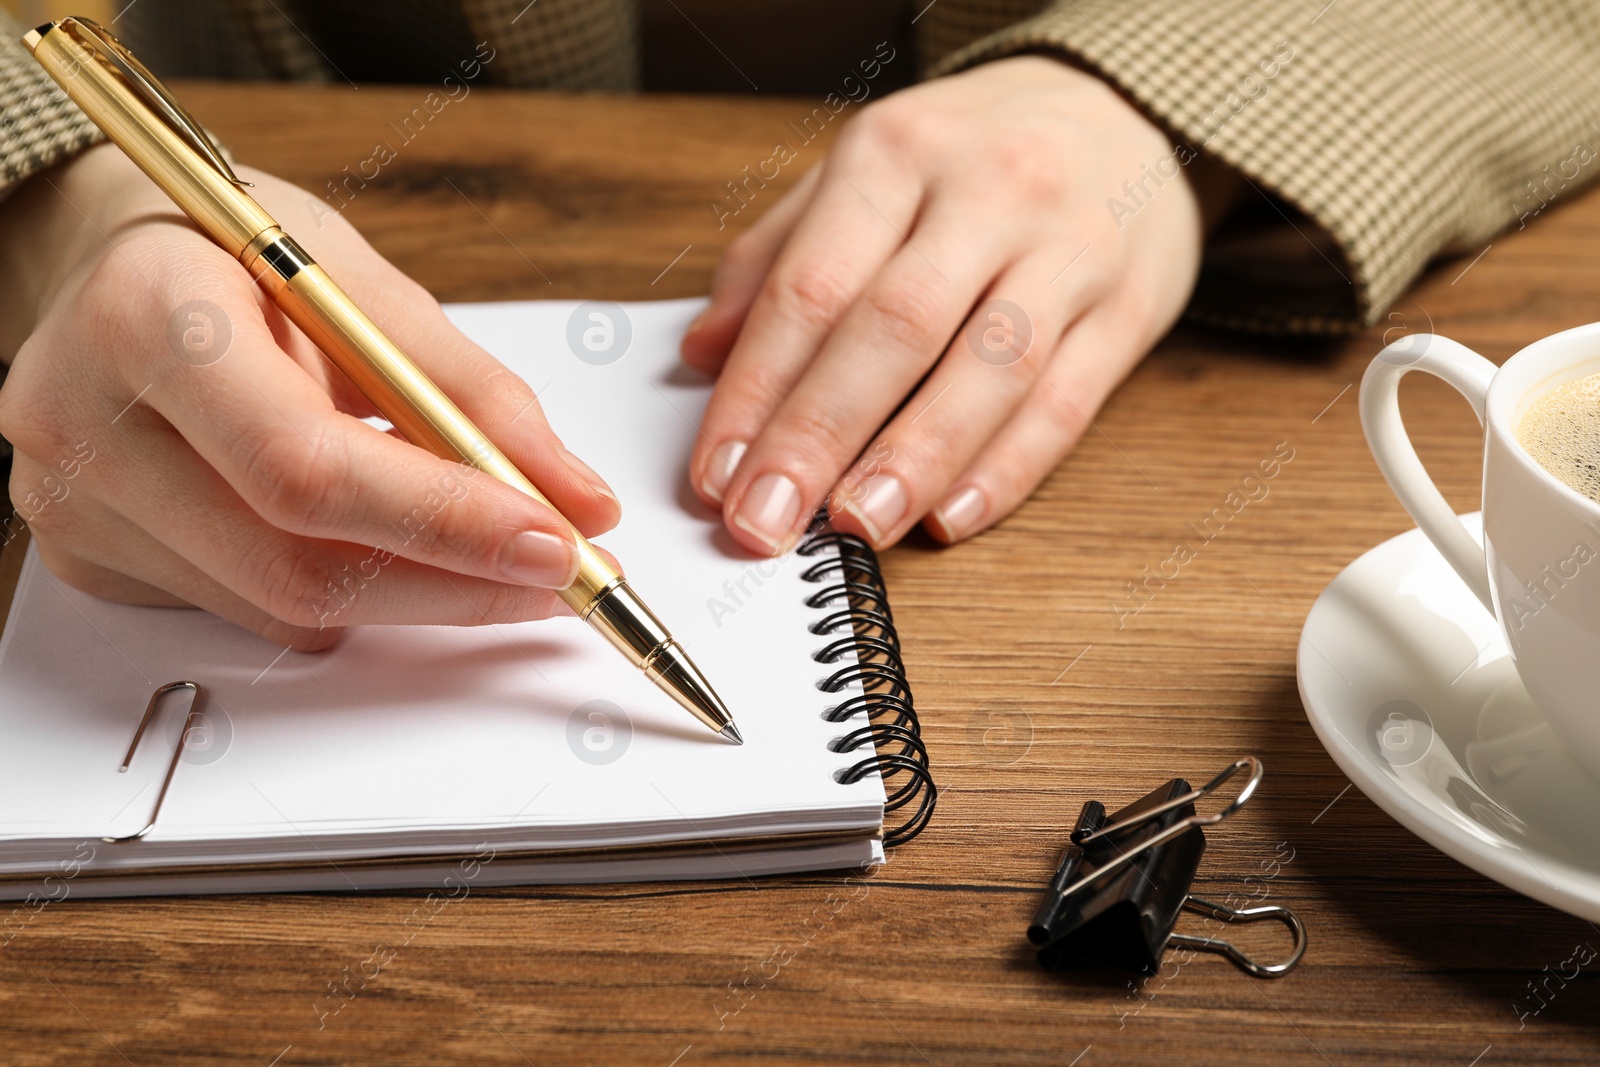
point(99, 40)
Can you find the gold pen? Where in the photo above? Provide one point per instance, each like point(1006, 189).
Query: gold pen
point(140, 116)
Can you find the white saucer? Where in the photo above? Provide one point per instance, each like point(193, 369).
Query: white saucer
point(1410, 687)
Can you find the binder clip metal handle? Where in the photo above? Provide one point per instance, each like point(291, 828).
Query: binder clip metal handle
point(1247, 915)
point(1256, 772)
point(1082, 836)
point(1124, 880)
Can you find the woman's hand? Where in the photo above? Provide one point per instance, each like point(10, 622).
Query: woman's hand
point(178, 441)
point(925, 324)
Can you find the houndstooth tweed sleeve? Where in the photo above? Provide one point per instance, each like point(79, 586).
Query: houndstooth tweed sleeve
point(38, 124)
point(1376, 135)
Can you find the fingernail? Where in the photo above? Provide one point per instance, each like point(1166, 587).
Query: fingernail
point(961, 512)
point(880, 506)
point(769, 510)
point(720, 467)
point(586, 472)
point(536, 558)
point(699, 320)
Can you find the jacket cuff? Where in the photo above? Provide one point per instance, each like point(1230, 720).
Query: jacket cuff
point(39, 125)
point(1372, 151)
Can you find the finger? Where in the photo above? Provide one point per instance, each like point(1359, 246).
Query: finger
point(990, 368)
point(1093, 357)
point(497, 401)
point(128, 566)
point(740, 272)
point(881, 348)
point(201, 542)
point(96, 550)
point(835, 250)
point(311, 470)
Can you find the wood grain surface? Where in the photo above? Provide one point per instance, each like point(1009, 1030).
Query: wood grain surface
point(1034, 696)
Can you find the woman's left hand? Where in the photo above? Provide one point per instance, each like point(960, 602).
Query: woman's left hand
point(923, 327)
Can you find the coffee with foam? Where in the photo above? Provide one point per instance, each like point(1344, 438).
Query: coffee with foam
point(1561, 431)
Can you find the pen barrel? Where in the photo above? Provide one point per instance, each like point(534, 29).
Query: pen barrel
point(409, 399)
point(229, 217)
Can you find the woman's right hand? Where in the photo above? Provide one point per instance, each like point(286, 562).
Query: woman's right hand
point(179, 442)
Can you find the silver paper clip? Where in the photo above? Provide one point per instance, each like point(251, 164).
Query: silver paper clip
point(177, 752)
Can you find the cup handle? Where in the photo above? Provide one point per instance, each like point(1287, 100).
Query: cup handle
point(1470, 375)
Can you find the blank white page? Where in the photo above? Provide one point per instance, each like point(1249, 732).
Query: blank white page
point(428, 736)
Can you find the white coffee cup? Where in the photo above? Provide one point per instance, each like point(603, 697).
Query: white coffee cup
point(1538, 571)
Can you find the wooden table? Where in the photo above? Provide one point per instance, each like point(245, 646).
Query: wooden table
point(1031, 702)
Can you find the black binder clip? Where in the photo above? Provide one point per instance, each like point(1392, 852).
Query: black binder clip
point(1117, 894)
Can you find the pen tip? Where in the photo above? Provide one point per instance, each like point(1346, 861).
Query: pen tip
point(731, 732)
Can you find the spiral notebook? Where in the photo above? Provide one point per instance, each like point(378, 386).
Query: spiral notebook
point(507, 754)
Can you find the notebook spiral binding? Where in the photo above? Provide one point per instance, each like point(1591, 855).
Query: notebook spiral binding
point(853, 588)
